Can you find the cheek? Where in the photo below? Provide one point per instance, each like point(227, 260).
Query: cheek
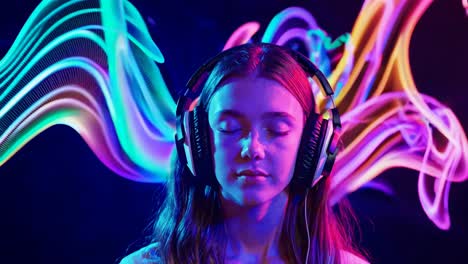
point(224, 154)
point(222, 146)
point(284, 154)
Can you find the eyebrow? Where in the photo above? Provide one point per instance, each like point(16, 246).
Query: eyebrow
point(266, 115)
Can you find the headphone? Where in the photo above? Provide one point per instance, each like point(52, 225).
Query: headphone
point(317, 149)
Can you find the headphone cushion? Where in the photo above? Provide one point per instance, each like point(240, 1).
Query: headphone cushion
point(200, 145)
point(309, 149)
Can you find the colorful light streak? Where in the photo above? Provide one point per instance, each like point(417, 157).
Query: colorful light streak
point(465, 5)
point(91, 66)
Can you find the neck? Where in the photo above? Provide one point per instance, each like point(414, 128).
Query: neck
point(253, 231)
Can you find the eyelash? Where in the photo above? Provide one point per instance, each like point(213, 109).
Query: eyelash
point(278, 134)
point(228, 131)
point(274, 133)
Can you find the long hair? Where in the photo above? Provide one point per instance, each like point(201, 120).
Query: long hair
point(189, 225)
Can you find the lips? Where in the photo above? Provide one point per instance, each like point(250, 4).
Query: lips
point(252, 172)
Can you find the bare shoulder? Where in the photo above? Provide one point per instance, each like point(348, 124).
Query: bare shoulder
point(350, 258)
point(145, 255)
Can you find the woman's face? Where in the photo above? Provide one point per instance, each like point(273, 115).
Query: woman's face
point(255, 129)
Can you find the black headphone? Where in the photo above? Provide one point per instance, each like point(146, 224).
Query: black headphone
point(318, 146)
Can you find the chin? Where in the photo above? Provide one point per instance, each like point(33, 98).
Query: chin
point(254, 197)
point(251, 194)
point(251, 200)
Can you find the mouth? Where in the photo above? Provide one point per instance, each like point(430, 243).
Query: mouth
point(252, 173)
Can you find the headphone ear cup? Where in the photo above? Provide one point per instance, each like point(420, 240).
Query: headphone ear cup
point(309, 149)
point(200, 146)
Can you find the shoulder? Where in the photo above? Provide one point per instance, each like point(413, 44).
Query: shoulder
point(350, 258)
point(145, 255)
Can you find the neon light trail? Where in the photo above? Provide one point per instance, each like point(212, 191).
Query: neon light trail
point(94, 67)
point(465, 5)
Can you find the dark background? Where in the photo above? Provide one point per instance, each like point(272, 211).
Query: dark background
point(60, 204)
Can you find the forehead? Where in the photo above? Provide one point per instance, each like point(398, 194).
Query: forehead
point(253, 96)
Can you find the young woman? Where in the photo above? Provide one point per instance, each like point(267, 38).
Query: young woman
point(242, 200)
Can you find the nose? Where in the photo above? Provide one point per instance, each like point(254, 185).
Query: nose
point(252, 147)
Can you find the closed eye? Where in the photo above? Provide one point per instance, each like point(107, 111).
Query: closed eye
point(277, 133)
point(228, 131)
point(229, 126)
point(277, 128)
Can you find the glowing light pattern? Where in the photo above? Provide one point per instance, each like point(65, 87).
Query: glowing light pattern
point(243, 34)
point(387, 123)
point(91, 65)
point(465, 5)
